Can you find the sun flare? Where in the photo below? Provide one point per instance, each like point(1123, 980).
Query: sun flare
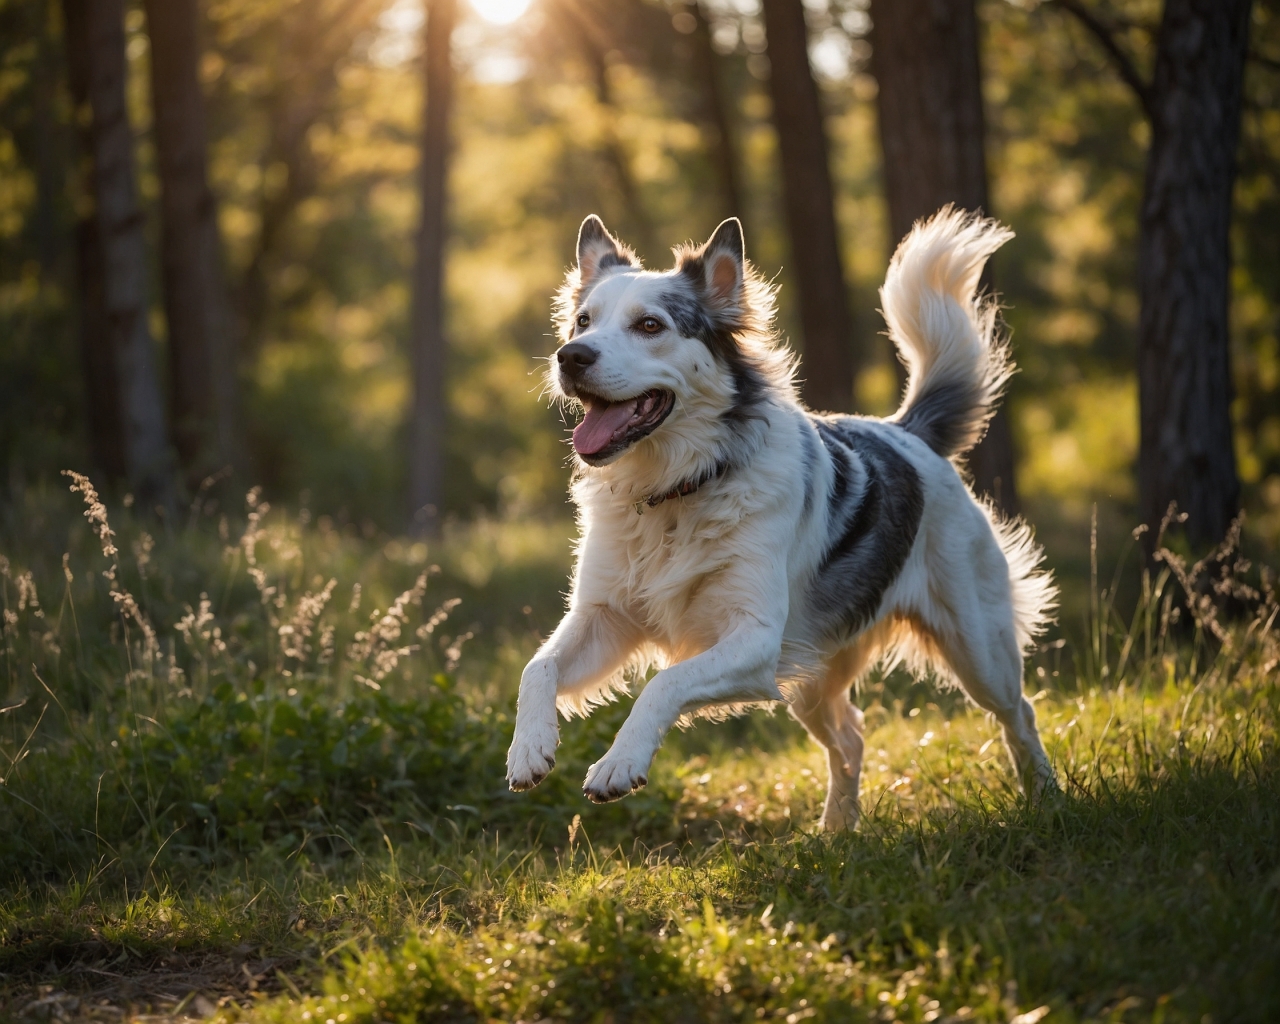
point(500, 12)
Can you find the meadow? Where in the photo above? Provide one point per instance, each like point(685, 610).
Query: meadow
point(253, 770)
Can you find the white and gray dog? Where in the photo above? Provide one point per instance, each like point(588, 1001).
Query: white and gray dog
point(755, 551)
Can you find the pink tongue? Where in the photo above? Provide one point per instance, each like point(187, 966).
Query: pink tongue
point(602, 421)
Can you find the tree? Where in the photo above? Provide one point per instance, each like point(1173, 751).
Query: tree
point(427, 339)
point(925, 55)
point(292, 55)
point(810, 207)
point(1186, 450)
point(101, 390)
point(121, 247)
point(202, 355)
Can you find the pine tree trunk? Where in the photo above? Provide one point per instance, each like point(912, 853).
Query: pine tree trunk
point(427, 341)
point(809, 199)
point(1184, 366)
point(925, 55)
point(95, 28)
point(101, 390)
point(202, 376)
point(124, 258)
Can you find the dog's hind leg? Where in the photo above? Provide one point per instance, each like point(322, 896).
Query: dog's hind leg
point(971, 622)
point(823, 707)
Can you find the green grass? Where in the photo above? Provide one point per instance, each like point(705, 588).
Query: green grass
point(243, 825)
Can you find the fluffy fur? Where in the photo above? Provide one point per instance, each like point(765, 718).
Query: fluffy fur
point(755, 551)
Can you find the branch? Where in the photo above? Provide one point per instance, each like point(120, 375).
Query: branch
point(1123, 62)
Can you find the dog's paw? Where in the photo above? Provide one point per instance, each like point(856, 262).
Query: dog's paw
point(613, 778)
point(530, 760)
point(840, 813)
point(1043, 784)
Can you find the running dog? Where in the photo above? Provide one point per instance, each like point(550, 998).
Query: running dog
point(753, 550)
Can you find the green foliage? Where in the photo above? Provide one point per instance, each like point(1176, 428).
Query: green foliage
point(252, 768)
point(283, 721)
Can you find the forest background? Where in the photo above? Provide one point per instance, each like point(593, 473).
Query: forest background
point(314, 131)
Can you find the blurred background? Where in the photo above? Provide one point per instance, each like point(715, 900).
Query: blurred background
point(232, 231)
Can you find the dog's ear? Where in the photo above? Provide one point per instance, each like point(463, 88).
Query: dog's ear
point(719, 266)
point(598, 251)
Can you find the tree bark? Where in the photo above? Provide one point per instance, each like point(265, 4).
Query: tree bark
point(925, 57)
point(202, 374)
point(1184, 368)
point(429, 349)
point(115, 248)
point(809, 200)
point(101, 389)
point(124, 257)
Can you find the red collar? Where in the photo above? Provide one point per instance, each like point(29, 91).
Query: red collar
point(684, 489)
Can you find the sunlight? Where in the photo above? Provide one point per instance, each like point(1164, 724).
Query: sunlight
point(500, 12)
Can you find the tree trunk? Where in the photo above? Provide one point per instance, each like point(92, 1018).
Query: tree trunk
point(126, 421)
point(721, 143)
point(429, 351)
point(1184, 368)
point(809, 200)
point(101, 389)
point(124, 260)
point(925, 55)
point(202, 376)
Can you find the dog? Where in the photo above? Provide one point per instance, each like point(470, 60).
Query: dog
point(754, 551)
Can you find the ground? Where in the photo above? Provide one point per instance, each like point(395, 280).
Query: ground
point(253, 832)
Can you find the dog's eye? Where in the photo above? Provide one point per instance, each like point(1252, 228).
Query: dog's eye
point(584, 320)
point(651, 325)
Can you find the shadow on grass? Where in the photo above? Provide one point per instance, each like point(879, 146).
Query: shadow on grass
point(1153, 899)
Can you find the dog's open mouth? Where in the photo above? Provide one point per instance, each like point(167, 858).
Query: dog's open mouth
point(611, 427)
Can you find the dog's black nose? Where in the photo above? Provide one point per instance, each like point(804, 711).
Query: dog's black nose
point(576, 357)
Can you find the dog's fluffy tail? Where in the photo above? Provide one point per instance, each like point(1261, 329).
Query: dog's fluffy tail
point(946, 334)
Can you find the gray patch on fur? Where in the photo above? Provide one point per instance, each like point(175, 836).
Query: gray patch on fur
point(683, 303)
point(869, 534)
point(949, 417)
point(811, 453)
point(613, 259)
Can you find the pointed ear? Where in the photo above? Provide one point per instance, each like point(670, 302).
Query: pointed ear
point(598, 251)
point(722, 264)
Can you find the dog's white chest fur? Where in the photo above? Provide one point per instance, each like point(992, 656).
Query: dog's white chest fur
point(663, 564)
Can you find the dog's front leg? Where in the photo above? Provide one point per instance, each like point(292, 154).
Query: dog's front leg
point(741, 668)
point(590, 643)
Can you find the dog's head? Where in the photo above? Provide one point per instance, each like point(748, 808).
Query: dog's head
point(663, 355)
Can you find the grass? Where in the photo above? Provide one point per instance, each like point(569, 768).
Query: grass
point(292, 807)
